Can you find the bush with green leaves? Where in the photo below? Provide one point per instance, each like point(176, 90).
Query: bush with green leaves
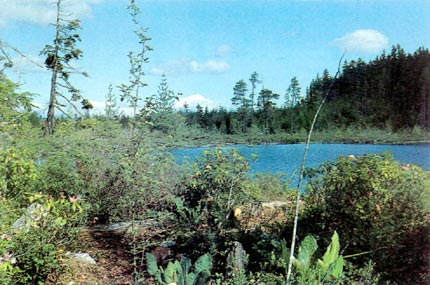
point(35, 227)
point(217, 184)
point(310, 266)
point(135, 186)
point(40, 240)
point(17, 174)
point(378, 206)
point(60, 173)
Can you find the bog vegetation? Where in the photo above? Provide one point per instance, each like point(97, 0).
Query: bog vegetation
point(362, 219)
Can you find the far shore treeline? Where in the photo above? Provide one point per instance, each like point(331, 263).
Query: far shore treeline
point(391, 92)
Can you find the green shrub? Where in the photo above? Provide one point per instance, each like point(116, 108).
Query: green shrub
point(217, 184)
point(134, 186)
point(30, 249)
point(8, 214)
point(205, 204)
point(269, 187)
point(31, 245)
point(17, 174)
point(378, 206)
point(60, 174)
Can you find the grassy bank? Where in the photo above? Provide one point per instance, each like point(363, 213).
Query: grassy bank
point(350, 135)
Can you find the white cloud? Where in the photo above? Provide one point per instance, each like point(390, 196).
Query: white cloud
point(223, 51)
point(210, 66)
point(98, 104)
point(176, 68)
point(42, 12)
point(171, 68)
point(193, 100)
point(366, 41)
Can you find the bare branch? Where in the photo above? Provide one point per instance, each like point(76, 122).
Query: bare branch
point(18, 52)
point(64, 112)
point(71, 103)
point(302, 169)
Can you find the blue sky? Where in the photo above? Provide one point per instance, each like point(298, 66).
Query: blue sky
point(205, 46)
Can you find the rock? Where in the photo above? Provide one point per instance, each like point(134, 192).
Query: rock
point(237, 258)
point(32, 216)
point(80, 269)
point(265, 215)
point(82, 258)
point(275, 204)
point(122, 227)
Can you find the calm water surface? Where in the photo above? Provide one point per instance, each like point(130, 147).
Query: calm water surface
point(286, 159)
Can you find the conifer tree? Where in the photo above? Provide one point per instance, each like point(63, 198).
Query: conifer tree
point(162, 114)
point(112, 111)
point(242, 102)
point(254, 80)
point(291, 98)
point(266, 103)
point(58, 61)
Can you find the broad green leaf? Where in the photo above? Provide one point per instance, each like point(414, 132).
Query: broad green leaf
point(204, 263)
point(190, 279)
point(172, 272)
point(336, 268)
point(306, 250)
point(152, 266)
point(186, 264)
point(331, 254)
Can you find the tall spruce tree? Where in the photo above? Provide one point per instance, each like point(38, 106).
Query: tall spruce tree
point(162, 115)
point(291, 99)
point(254, 81)
point(242, 103)
point(266, 103)
point(58, 60)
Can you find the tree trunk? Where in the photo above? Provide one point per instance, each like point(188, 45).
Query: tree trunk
point(50, 117)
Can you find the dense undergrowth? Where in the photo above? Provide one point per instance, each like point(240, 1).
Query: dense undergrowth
point(363, 220)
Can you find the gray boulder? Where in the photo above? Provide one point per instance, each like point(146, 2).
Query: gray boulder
point(32, 217)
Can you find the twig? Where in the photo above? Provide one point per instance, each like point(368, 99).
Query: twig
point(2, 43)
point(302, 169)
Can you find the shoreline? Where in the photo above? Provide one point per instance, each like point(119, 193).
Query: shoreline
point(228, 140)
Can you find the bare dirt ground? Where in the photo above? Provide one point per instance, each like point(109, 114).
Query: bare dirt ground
point(111, 254)
point(113, 262)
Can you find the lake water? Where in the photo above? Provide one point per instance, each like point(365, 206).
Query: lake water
point(286, 159)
